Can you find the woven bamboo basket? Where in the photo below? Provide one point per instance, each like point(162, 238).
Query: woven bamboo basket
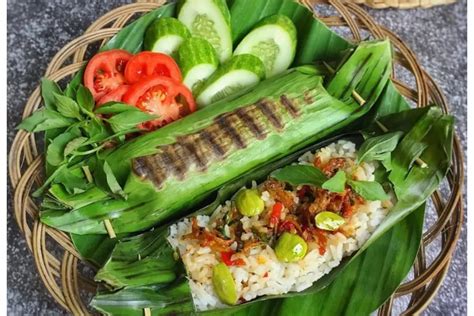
point(402, 4)
point(68, 278)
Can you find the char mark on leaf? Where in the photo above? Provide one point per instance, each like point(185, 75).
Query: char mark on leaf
point(190, 147)
point(250, 123)
point(148, 168)
point(175, 164)
point(288, 104)
point(225, 123)
point(209, 139)
point(267, 108)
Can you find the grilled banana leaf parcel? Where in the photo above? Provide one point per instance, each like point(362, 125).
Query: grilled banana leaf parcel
point(166, 172)
point(291, 234)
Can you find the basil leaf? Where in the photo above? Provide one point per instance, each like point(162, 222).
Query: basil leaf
point(337, 183)
point(128, 120)
point(56, 149)
point(376, 148)
point(115, 107)
point(369, 190)
point(300, 174)
point(84, 98)
point(96, 130)
point(67, 106)
point(44, 119)
point(48, 89)
point(72, 86)
point(74, 144)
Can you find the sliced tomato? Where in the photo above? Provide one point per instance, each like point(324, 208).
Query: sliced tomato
point(105, 72)
point(161, 96)
point(114, 95)
point(146, 64)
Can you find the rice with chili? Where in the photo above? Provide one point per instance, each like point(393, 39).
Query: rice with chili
point(244, 243)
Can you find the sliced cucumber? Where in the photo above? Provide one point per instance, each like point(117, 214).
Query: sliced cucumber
point(197, 60)
point(209, 19)
point(273, 40)
point(165, 35)
point(238, 73)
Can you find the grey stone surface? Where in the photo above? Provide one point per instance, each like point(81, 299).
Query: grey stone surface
point(38, 29)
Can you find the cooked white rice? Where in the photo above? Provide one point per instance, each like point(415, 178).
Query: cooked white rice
point(263, 273)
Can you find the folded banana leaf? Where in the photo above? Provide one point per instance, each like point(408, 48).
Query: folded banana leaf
point(346, 295)
point(431, 127)
point(227, 139)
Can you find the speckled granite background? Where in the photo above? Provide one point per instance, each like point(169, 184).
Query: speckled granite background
point(38, 29)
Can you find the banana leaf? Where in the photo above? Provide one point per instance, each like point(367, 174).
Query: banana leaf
point(130, 37)
point(95, 249)
point(418, 184)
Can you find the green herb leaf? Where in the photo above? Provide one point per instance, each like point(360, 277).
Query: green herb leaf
point(84, 98)
point(43, 120)
point(48, 89)
point(56, 149)
point(376, 148)
point(74, 144)
point(129, 120)
point(72, 86)
point(67, 106)
point(96, 130)
point(300, 174)
point(337, 183)
point(369, 190)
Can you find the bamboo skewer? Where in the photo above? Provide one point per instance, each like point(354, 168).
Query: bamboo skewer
point(87, 173)
point(110, 229)
point(358, 98)
point(146, 311)
point(330, 69)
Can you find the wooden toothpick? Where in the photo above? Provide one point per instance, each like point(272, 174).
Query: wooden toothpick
point(330, 69)
point(382, 127)
point(358, 98)
point(109, 228)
